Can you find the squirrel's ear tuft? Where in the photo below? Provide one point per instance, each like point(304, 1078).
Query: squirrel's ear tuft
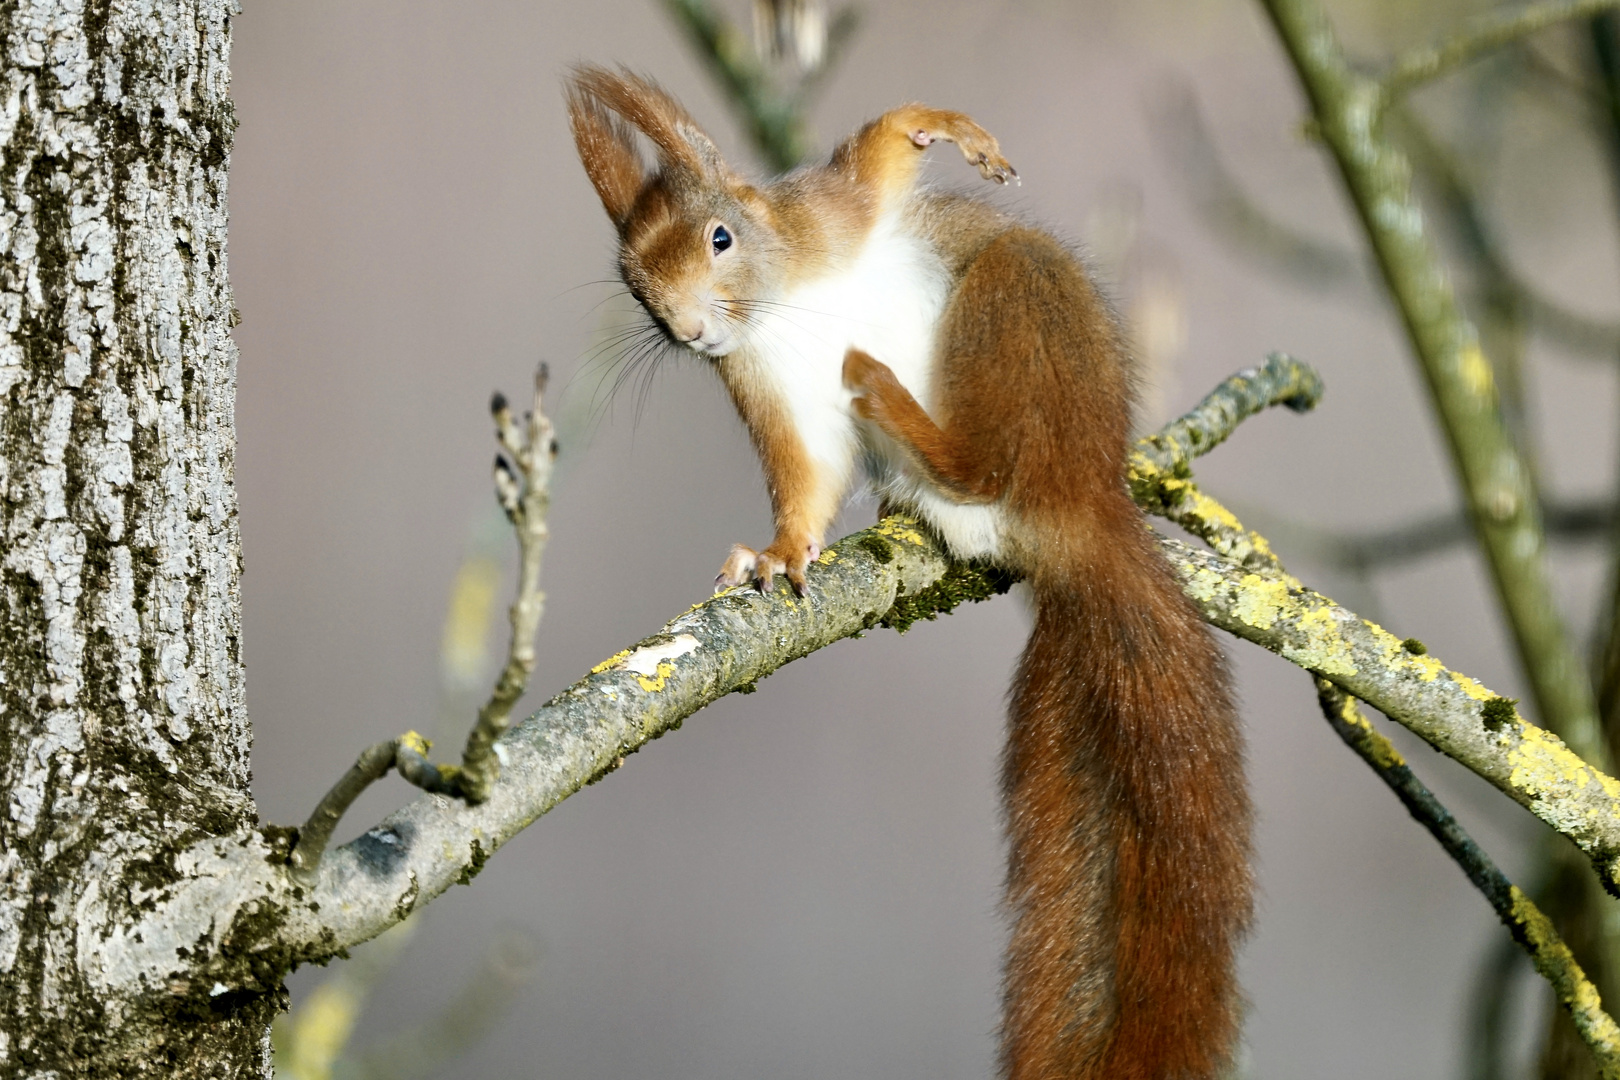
point(648, 108)
point(607, 149)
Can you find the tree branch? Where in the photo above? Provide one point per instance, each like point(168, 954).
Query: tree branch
point(1249, 229)
point(1494, 476)
point(1238, 217)
point(1529, 927)
point(1160, 475)
point(1586, 520)
point(1451, 712)
point(237, 918)
point(524, 487)
point(1484, 35)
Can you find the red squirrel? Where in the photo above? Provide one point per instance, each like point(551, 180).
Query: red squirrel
point(966, 362)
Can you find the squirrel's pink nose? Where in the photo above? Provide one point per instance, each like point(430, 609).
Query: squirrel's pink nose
point(689, 328)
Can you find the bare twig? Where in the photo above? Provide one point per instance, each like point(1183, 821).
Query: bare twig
point(1281, 380)
point(1486, 34)
point(313, 1041)
point(1529, 927)
point(1489, 1011)
point(1335, 549)
point(1250, 230)
point(309, 1040)
point(522, 484)
point(1566, 90)
point(508, 964)
point(770, 106)
point(1499, 303)
point(1160, 465)
point(1240, 219)
point(1604, 34)
point(791, 30)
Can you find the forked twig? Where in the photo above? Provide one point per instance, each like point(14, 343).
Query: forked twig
point(523, 486)
point(1485, 35)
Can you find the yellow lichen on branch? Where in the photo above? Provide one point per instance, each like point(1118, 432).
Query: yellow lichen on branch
point(1523, 919)
point(1452, 712)
point(1575, 991)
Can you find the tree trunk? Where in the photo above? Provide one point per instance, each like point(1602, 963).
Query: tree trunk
point(123, 737)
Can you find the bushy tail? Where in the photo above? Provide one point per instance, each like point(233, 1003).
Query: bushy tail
point(1129, 822)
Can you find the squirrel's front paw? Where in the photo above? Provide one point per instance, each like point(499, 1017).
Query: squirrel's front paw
point(871, 380)
point(744, 566)
point(738, 568)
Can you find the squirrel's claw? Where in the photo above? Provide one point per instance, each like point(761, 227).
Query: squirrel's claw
point(745, 566)
point(992, 166)
point(738, 569)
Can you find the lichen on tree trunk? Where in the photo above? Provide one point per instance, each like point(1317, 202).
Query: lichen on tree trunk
point(123, 737)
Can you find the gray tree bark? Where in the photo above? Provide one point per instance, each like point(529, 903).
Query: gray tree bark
point(123, 737)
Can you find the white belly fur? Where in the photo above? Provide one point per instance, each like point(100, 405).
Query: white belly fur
point(887, 303)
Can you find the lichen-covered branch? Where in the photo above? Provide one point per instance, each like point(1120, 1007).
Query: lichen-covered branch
point(1494, 477)
point(1484, 35)
point(1452, 712)
point(1160, 465)
point(237, 918)
point(1498, 301)
point(1281, 380)
point(1524, 921)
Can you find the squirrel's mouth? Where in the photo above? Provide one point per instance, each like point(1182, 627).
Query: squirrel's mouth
point(714, 347)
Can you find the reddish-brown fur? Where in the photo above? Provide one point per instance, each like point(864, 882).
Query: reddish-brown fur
point(1124, 759)
point(1126, 807)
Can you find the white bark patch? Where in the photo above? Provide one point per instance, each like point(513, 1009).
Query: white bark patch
point(645, 661)
point(217, 879)
point(50, 753)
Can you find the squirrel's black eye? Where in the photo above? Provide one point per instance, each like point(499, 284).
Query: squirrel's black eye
point(721, 239)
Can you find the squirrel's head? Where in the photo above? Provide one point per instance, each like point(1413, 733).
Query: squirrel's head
point(696, 243)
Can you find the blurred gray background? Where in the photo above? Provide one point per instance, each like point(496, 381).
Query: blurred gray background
point(803, 882)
